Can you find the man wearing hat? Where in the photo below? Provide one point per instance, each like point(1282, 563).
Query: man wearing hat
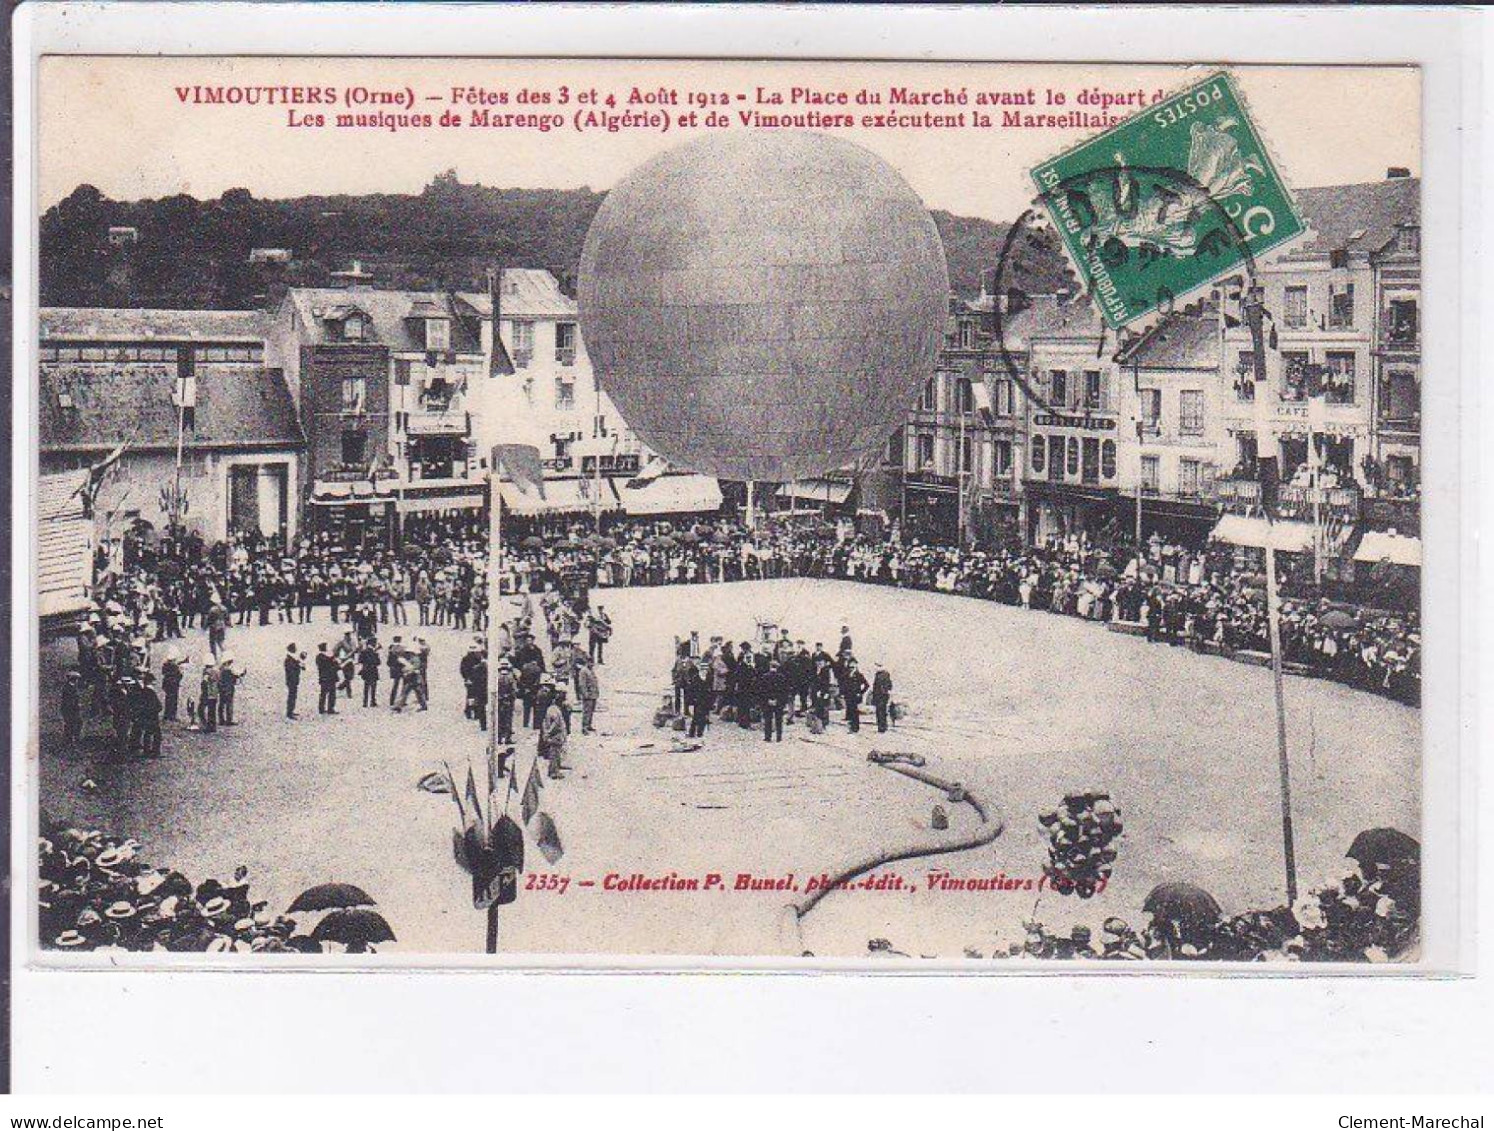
point(853, 689)
point(544, 695)
point(588, 691)
point(326, 681)
point(881, 695)
point(295, 664)
point(171, 685)
point(772, 693)
point(207, 696)
point(598, 632)
point(465, 668)
point(146, 723)
point(228, 683)
point(507, 690)
point(552, 735)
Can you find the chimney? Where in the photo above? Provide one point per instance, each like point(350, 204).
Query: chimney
point(1397, 173)
point(988, 283)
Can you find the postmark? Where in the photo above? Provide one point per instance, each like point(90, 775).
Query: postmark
point(1168, 202)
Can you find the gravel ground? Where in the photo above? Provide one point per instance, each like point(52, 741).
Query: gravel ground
point(1020, 707)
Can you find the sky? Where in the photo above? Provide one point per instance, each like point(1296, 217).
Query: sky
point(121, 124)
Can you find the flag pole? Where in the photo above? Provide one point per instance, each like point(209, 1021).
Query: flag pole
point(1254, 306)
point(495, 615)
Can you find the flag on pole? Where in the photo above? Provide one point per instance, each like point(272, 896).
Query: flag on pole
point(547, 838)
point(185, 398)
point(529, 804)
point(522, 462)
point(656, 466)
point(499, 363)
point(89, 488)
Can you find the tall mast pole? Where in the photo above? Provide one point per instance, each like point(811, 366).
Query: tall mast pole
point(1254, 306)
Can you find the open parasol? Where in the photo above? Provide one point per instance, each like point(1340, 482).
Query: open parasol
point(328, 897)
point(353, 927)
point(1383, 846)
point(1184, 905)
point(1338, 619)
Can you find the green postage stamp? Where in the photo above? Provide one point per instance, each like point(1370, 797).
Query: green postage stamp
point(1168, 201)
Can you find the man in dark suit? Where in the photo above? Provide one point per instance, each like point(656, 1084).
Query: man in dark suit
point(295, 664)
point(853, 687)
point(773, 693)
point(327, 671)
point(881, 694)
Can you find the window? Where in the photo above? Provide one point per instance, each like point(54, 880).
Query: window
point(402, 371)
point(895, 447)
point(65, 401)
point(1094, 391)
point(1039, 454)
point(930, 395)
point(438, 334)
point(352, 328)
point(1401, 322)
point(1294, 373)
point(1295, 313)
point(1191, 412)
point(1005, 398)
point(1246, 452)
point(523, 344)
point(964, 397)
point(95, 353)
point(967, 455)
point(1058, 386)
point(1073, 457)
point(68, 353)
point(1340, 306)
point(1107, 459)
point(1188, 478)
point(49, 353)
point(1091, 460)
point(354, 394)
point(925, 452)
point(1338, 258)
point(1001, 457)
point(565, 343)
point(1151, 410)
point(565, 395)
point(354, 440)
point(1338, 377)
point(1409, 240)
point(1149, 467)
point(1400, 399)
point(1245, 376)
point(967, 333)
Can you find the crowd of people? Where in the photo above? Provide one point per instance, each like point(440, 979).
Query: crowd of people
point(766, 681)
point(96, 892)
point(154, 590)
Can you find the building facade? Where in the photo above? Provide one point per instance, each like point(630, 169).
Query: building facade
point(207, 431)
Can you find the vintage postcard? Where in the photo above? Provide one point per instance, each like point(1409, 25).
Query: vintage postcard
point(585, 511)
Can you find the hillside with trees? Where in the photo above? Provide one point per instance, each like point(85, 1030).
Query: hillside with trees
point(195, 253)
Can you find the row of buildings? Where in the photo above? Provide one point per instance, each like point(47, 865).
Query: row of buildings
point(1041, 423)
point(345, 410)
point(350, 409)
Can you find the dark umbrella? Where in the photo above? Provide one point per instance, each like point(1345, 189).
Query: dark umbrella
point(1383, 846)
point(1105, 569)
point(1186, 905)
point(533, 542)
point(689, 537)
point(354, 927)
point(327, 897)
point(1337, 618)
point(703, 530)
point(722, 538)
point(608, 542)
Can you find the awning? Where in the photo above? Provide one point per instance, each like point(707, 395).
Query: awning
point(415, 500)
point(562, 496)
point(673, 494)
point(1240, 530)
point(1397, 549)
point(815, 491)
point(64, 545)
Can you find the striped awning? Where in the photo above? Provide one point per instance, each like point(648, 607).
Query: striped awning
point(562, 496)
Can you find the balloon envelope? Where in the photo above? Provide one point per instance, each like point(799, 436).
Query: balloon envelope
point(763, 305)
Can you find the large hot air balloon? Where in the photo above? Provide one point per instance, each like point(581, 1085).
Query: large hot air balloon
point(763, 306)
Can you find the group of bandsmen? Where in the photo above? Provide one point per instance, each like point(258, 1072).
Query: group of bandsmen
point(772, 681)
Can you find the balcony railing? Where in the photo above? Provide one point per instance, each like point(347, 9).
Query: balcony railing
point(1400, 339)
point(431, 422)
point(565, 356)
point(1292, 501)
